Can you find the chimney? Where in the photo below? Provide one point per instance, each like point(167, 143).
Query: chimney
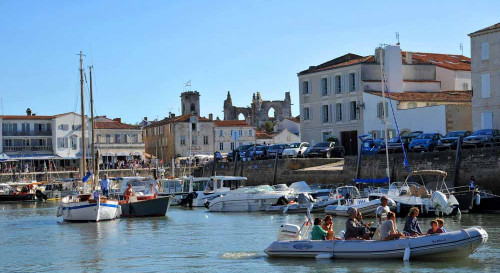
point(28, 112)
point(408, 58)
point(145, 118)
point(210, 116)
point(118, 120)
point(377, 54)
point(172, 115)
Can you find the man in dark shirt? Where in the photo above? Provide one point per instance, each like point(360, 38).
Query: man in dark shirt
point(354, 230)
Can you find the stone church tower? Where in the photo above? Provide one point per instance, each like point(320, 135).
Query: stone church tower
point(190, 102)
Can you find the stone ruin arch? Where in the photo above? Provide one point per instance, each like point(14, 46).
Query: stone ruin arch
point(257, 113)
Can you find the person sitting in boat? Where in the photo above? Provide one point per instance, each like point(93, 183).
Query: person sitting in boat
point(441, 225)
point(354, 230)
point(411, 224)
point(472, 183)
point(368, 230)
point(388, 229)
point(105, 186)
point(128, 192)
point(434, 228)
point(318, 233)
point(327, 225)
point(382, 210)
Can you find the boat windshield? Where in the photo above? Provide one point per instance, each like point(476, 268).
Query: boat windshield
point(349, 192)
point(254, 189)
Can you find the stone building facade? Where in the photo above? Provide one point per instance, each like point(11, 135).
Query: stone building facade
point(257, 113)
point(342, 97)
point(485, 55)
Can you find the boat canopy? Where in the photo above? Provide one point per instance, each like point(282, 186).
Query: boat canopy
point(373, 181)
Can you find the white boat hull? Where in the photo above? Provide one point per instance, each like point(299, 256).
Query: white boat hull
point(457, 244)
point(366, 208)
point(252, 203)
point(89, 211)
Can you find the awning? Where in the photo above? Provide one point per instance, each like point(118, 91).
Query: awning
point(107, 154)
point(122, 154)
point(33, 157)
point(4, 157)
point(137, 153)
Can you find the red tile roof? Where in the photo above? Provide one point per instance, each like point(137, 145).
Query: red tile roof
point(443, 96)
point(231, 123)
point(263, 135)
point(11, 117)
point(113, 125)
point(448, 61)
point(493, 27)
point(183, 118)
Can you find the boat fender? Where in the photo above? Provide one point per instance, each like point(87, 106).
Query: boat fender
point(406, 256)
point(477, 200)
point(324, 256)
point(285, 209)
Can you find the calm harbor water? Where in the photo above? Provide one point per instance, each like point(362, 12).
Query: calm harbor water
point(34, 240)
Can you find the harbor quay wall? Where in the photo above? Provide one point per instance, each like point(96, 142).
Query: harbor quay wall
point(483, 164)
point(261, 172)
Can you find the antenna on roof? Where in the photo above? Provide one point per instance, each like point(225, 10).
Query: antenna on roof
point(187, 84)
point(462, 48)
point(397, 37)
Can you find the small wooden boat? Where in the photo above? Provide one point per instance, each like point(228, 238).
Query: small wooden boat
point(84, 208)
point(456, 244)
point(145, 206)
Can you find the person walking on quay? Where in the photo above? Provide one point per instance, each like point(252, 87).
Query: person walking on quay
point(472, 183)
point(105, 186)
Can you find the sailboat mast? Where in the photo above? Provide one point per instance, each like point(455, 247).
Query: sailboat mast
point(84, 148)
point(384, 108)
point(92, 148)
point(95, 158)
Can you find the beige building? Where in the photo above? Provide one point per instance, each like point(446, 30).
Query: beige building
point(485, 55)
point(342, 97)
point(229, 134)
point(117, 141)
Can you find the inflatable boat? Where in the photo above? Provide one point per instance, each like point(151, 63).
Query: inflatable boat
point(456, 244)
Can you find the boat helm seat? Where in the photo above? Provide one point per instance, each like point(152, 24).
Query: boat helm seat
point(413, 190)
point(422, 192)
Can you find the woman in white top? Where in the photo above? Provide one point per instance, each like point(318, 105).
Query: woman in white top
point(388, 229)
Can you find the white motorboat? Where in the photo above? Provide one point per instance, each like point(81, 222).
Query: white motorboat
point(366, 208)
point(84, 207)
point(410, 194)
point(255, 198)
point(456, 244)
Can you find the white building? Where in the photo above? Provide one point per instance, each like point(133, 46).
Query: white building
point(42, 139)
point(117, 141)
point(342, 97)
point(485, 54)
point(291, 124)
point(282, 137)
point(229, 134)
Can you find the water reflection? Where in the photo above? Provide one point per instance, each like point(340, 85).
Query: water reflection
point(192, 241)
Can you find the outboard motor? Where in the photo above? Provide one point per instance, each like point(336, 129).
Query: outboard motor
point(282, 201)
point(440, 202)
point(189, 199)
point(304, 199)
point(289, 232)
point(40, 195)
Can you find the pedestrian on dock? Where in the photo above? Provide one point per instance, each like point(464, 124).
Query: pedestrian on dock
point(105, 186)
point(472, 183)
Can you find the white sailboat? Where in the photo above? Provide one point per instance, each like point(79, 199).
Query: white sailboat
point(87, 207)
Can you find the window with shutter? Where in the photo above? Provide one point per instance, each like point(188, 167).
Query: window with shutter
point(338, 112)
point(338, 84)
point(487, 120)
point(324, 86)
point(305, 87)
point(485, 86)
point(325, 115)
point(485, 51)
point(352, 82)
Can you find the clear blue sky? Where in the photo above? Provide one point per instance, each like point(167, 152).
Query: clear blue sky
point(143, 51)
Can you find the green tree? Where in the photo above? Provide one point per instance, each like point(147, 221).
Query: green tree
point(268, 126)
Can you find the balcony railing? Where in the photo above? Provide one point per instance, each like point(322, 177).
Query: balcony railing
point(27, 148)
point(27, 133)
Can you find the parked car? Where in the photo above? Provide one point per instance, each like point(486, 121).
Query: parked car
point(241, 150)
point(257, 152)
point(295, 149)
point(449, 141)
point(482, 137)
point(425, 142)
point(325, 149)
point(371, 146)
point(276, 148)
point(394, 144)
